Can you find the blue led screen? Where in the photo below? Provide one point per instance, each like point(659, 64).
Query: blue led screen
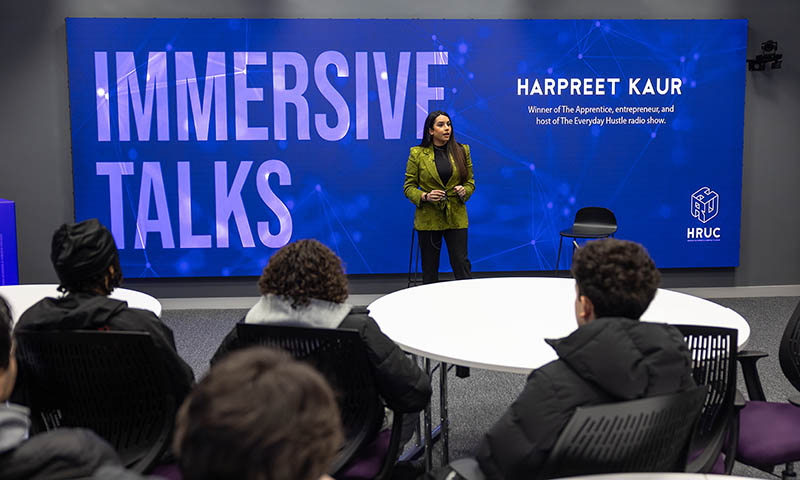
point(206, 144)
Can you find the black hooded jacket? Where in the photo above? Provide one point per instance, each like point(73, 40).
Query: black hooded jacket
point(64, 453)
point(607, 360)
point(82, 311)
point(401, 383)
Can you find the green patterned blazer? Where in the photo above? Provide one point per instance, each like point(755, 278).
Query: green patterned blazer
point(421, 176)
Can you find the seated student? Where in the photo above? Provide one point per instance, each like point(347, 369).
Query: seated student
point(86, 261)
point(611, 357)
point(258, 414)
point(57, 454)
point(304, 284)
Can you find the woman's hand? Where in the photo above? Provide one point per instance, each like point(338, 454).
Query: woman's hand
point(460, 191)
point(435, 195)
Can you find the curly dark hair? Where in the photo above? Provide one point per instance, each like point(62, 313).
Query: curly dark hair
point(258, 414)
point(618, 276)
point(304, 270)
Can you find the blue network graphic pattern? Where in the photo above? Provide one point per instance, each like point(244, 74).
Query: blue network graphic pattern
point(206, 144)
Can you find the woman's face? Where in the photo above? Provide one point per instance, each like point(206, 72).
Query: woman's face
point(441, 130)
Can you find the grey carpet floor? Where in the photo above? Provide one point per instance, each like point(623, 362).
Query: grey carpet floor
point(476, 402)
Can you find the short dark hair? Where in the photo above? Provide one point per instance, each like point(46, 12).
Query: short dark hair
point(81, 254)
point(303, 270)
point(5, 333)
point(258, 415)
point(618, 276)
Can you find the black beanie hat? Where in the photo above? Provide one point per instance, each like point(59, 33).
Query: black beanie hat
point(82, 250)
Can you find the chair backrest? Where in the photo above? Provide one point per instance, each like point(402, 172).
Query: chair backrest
point(109, 382)
point(713, 353)
point(789, 351)
point(646, 435)
point(594, 217)
point(341, 356)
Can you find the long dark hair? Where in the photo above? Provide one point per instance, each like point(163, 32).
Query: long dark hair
point(454, 149)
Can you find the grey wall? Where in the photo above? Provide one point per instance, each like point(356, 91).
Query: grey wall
point(35, 169)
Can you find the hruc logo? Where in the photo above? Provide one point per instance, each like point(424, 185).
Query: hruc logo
point(705, 204)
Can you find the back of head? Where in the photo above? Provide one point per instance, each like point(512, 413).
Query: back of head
point(303, 270)
point(81, 254)
point(618, 276)
point(257, 415)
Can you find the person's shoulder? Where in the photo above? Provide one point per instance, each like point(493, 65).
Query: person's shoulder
point(357, 319)
point(33, 312)
point(557, 387)
point(417, 149)
point(654, 332)
point(552, 373)
point(136, 319)
point(79, 451)
point(129, 311)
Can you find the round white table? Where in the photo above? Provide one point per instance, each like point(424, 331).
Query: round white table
point(22, 297)
point(501, 324)
point(658, 476)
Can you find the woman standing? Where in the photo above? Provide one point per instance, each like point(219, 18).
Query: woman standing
point(439, 182)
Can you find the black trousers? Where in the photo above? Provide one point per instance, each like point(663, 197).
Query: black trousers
point(430, 246)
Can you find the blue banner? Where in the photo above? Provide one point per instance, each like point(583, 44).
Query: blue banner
point(206, 144)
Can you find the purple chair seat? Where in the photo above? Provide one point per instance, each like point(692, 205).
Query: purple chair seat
point(769, 434)
point(367, 462)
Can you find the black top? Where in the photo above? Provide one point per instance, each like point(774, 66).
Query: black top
point(607, 360)
point(402, 385)
point(443, 166)
point(84, 311)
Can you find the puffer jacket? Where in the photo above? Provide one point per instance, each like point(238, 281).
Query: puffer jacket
point(64, 453)
point(83, 311)
point(402, 385)
point(607, 360)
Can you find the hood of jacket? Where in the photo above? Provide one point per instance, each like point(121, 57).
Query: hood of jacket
point(78, 311)
point(278, 309)
point(14, 424)
point(627, 358)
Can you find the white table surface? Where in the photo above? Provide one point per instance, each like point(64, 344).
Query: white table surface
point(501, 323)
point(22, 297)
point(658, 476)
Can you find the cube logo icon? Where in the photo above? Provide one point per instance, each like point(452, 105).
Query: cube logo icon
point(705, 204)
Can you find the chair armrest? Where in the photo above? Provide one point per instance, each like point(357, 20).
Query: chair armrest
point(748, 359)
point(756, 354)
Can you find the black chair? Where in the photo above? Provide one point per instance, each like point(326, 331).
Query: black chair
point(110, 382)
point(341, 356)
point(769, 429)
point(646, 435)
point(788, 356)
point(590, 222)
point(713, 353)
